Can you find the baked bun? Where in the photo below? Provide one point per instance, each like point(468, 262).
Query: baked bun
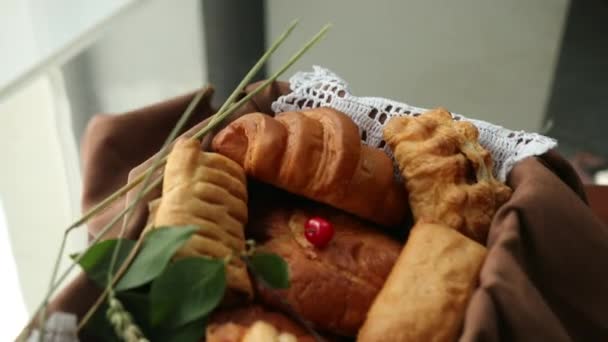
point(332, 287)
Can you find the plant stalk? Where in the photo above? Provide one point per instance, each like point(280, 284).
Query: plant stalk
point(216, 119)
point(129, 186)
point(214, 122)
point(258, 65)
point(157, 161)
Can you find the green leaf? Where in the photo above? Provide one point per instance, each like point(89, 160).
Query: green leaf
point(98, 328)
point(157, 249)
point(138, 306)
point(187, 290)
point(191, 332)
point(96, 261)
point(271, 268)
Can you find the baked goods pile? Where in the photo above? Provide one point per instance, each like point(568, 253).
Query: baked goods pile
point(267, 177)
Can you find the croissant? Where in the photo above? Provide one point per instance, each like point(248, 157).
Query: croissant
point(447, 173)
point(316, 154)
point(428, 289)
point(207, 190)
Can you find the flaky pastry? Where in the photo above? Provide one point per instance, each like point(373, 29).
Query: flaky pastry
point(447, 173)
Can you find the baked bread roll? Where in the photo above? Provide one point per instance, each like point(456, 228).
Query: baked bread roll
point(207, 190)
point(332, 287)
point(317, 154)
point(231, 325)
point(426, 293)
point(447, 173)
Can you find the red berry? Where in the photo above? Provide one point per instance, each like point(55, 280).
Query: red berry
point(318, 231)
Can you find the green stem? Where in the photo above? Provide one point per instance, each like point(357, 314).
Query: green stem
point(122, 191)
point(220, 116)
point(101, 234)
point(157, 162)
point(119, 274)
point(155, 165)
point(140, 194)
point(42, 315)
point(213, 123)
point(254, 70)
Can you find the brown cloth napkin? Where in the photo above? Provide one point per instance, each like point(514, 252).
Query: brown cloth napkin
point(545, 277)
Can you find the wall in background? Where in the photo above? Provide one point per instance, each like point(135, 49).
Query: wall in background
point(13, 313)
point(156, 53)
point(37, 184)
point(489, 59)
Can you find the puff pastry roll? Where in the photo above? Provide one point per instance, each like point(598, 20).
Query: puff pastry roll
point(207, 190)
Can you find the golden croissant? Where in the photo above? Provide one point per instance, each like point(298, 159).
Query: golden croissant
point(207, 190)
point(317, 154)
point(447, 173)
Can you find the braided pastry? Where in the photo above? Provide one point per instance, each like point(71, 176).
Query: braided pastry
point(207, 190)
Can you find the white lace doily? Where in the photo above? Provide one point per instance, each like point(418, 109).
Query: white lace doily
point(323, 88)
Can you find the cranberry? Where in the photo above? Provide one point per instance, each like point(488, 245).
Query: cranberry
point(318, 231)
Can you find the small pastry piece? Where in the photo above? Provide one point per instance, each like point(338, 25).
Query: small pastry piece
point(332, 287)
point(317, 154)
point(447, 173)
point(261, 331)
point(231, 325)
point(207, 190)
point(426, 293)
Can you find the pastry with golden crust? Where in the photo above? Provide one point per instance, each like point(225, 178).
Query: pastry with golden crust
point(427, 292)
point(317, 154)
point(447, 173)
point(207, 190)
